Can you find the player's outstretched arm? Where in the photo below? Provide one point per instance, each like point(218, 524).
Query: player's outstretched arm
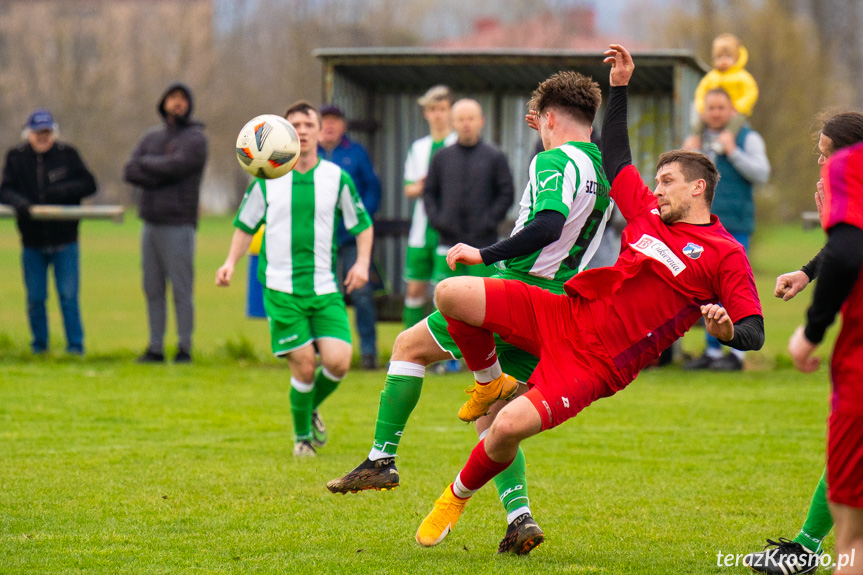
point(545, 228)
point(240, 243)
point(616, 152)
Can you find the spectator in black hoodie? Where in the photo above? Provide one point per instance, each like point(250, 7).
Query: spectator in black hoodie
point(167, 167)
point(45, 171)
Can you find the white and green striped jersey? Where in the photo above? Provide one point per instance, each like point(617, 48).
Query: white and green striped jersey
point(301, 212)
point(416, 168)
point(568, 179)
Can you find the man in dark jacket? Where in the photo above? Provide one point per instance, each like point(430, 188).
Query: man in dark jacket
point(335, 146)
point(468, 191)
point(167, 167)
point(44, 171)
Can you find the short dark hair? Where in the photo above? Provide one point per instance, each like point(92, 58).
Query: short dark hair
point(695, 166)
point(719, 91)
point(845, 129)
point(302, 107)
point(570, 92)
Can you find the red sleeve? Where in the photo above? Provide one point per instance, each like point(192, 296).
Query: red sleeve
point(843, 188)
point(631, 194)
point(736, 287)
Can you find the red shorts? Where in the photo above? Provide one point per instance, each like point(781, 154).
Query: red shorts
point(574, 368)
point(845, 459)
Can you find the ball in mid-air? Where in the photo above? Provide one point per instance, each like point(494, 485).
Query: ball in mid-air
point(268, 146)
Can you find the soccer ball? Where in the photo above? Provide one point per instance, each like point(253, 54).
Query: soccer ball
point(268, 147)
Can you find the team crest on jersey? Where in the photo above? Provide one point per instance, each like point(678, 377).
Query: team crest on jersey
point(693, 251)
point(657, 250)
point(548, 181)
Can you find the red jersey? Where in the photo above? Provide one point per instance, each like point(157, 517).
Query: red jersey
point(843, 204)
point(665, 273)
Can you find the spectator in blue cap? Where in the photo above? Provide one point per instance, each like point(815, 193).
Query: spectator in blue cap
point(335, 146)
point(42, 170)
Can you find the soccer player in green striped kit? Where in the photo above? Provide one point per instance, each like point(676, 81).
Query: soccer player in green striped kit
point(422, 238)
point(562, 216)
point(295, 266)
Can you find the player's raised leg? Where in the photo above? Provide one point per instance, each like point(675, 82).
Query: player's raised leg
point(493, 454)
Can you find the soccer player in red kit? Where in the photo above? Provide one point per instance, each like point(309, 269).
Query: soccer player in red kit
point(840, 287)
point(676, 261)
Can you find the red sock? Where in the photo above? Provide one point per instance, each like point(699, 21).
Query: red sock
point(480, 469)
point(476, 343)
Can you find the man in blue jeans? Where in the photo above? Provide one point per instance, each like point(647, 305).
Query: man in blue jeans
point(335, 146)
point(44, 171)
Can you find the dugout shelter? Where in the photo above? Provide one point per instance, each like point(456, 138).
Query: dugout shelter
point(377, 88)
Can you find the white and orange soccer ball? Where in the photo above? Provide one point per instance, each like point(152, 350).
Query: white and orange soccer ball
point(268, 147)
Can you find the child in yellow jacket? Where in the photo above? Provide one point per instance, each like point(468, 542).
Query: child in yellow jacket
point(728, 73)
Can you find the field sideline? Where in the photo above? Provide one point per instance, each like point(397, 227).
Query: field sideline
point(111, 467)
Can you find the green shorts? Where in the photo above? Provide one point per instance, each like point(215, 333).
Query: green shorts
point(420, 260)
point(296, 321)
point(442, 271)
point(514, 361)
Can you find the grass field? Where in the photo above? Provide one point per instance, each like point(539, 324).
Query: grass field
point(111, 467)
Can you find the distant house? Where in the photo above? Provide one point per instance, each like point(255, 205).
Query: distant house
point(572, 29)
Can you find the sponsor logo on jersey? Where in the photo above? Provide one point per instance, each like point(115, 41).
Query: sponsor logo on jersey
point(693, 251)
point(548, 181)
point(657, 250)
point(565, 402)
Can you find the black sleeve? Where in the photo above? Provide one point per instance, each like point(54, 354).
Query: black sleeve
point(614, 142)
point(814, 266)
point(545, 228)
point(748, 334)
point(842, 259)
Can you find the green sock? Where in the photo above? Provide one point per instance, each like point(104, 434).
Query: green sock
point(413, 314)
point(325, 384)
point(818, 522)
point(511, 486)
point(302, 396)
point(402, 389)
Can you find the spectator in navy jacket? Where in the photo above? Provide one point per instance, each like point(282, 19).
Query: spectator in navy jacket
point(335, 146)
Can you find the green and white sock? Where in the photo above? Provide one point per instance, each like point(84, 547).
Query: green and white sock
point(402, 389)
point(818, 522)
point(511, 485)
point(302, 397)
point(414, 311)
point(325, 384)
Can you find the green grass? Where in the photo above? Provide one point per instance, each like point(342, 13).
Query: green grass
point(111, 467)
